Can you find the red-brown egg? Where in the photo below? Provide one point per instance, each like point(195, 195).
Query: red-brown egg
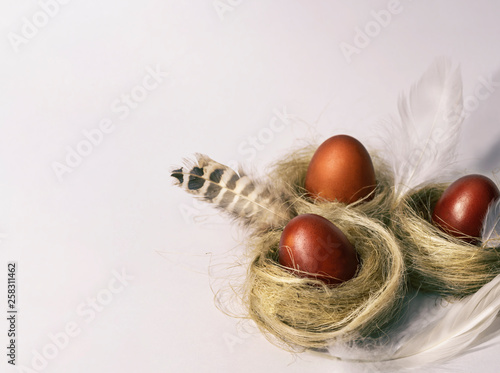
point(341, 169)
point(314, 247)
point(462, 208)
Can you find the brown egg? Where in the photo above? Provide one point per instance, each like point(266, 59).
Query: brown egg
point(341, 169)
point(316, 248)
point(462, 208)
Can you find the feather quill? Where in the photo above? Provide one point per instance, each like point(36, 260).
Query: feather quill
point(491, 226)
point(422, 142)
point(252, 202)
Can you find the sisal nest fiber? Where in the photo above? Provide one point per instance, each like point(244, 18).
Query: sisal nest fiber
point(438, 262)
point(305, 312)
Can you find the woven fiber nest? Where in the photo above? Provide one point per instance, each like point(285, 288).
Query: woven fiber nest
point(438, 262)
point(305, 312)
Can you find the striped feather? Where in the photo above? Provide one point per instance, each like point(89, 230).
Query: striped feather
point(251, 202)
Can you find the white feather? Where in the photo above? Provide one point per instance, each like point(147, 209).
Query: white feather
point(422, 143)
point(457, 326)
point(491, 226)
point(450, 336)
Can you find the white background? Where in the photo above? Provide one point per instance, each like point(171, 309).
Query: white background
point(116, 208)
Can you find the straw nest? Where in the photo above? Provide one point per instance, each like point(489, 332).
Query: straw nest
point(306, 312)
point(436, 261)
point(397, 244)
